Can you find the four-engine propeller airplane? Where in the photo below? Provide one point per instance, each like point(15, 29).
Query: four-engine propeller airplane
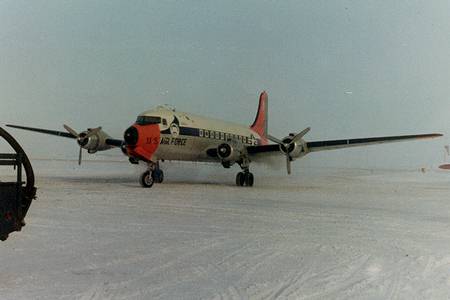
point(166, 134)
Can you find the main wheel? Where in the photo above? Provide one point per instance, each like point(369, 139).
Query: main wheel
point(249, 179)
point(158, 176)
point(240, 179)
point(146, 179)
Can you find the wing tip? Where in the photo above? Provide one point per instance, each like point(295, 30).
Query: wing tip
point(431, 135)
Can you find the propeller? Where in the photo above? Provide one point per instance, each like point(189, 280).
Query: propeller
point(287, 145)
point(82, 138)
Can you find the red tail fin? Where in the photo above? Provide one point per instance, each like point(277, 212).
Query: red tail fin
point(260, 124)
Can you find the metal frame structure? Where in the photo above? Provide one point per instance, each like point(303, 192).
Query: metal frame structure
point(15, 197)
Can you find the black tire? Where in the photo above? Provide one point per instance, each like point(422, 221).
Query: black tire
point(158, 176)
point(146, 179)
point(249, 179)
point(240, 179)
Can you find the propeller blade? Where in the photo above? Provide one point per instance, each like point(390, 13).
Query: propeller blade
point(71, 131)
point(288, 164)
point(300, 135)
point(79, 156)
point(274, 139)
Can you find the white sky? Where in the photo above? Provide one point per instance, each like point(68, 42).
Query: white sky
point(346, 68)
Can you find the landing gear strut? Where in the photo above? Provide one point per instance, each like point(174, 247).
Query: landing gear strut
point(153, 175)
point(158, 176)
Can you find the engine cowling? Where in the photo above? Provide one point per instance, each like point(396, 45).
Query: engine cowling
point(296, 149)
point(229, 153)
point(95, 142)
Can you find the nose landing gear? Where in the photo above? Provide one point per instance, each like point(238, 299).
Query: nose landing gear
point(146, 179)
point(153, 175)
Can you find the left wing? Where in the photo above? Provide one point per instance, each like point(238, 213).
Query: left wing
point(340, 144)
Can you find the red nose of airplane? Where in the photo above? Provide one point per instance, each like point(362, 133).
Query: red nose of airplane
point(142, 141)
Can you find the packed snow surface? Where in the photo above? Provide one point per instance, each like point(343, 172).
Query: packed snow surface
point(94, 233)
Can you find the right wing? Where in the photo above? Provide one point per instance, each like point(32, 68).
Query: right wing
point(46, 131)
point(108, 141)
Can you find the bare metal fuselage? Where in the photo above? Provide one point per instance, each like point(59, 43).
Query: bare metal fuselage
point(187, 137)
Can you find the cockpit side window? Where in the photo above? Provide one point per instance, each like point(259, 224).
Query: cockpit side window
point(148, 120)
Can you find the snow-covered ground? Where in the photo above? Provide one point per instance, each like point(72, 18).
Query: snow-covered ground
point(94, 233)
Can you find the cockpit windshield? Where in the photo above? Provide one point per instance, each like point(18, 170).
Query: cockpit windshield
point(147, 120)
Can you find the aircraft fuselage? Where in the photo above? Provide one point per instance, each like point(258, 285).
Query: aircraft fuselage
point(166, 134)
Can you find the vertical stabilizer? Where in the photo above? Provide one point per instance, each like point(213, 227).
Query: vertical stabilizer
point(260, 123)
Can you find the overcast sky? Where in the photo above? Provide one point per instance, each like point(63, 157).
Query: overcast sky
point(346, 68)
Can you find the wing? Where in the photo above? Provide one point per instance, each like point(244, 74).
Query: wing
point(108, 141)
point(340, 144)
point(46, 131)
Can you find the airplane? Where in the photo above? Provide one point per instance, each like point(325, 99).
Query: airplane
point(166, 134)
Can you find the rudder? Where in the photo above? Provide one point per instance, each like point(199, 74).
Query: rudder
point(260, 123)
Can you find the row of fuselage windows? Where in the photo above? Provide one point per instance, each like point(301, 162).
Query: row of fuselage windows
point(218, 135)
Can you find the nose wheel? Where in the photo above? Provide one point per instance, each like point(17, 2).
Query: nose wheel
point(244, 179)
point(146, 179)
point(153, 175)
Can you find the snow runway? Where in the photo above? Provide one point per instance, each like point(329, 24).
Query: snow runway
point(94, 233)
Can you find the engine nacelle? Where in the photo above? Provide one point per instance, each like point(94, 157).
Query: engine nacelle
point(229, 153)
point(95, 142)
point(295, 150)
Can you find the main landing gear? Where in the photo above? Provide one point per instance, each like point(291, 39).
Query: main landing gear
point(245, 178)
point(153, 175)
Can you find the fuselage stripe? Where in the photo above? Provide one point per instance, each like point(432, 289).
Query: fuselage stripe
point(216, 135)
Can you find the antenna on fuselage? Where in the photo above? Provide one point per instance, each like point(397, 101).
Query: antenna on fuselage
point(447, 152)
